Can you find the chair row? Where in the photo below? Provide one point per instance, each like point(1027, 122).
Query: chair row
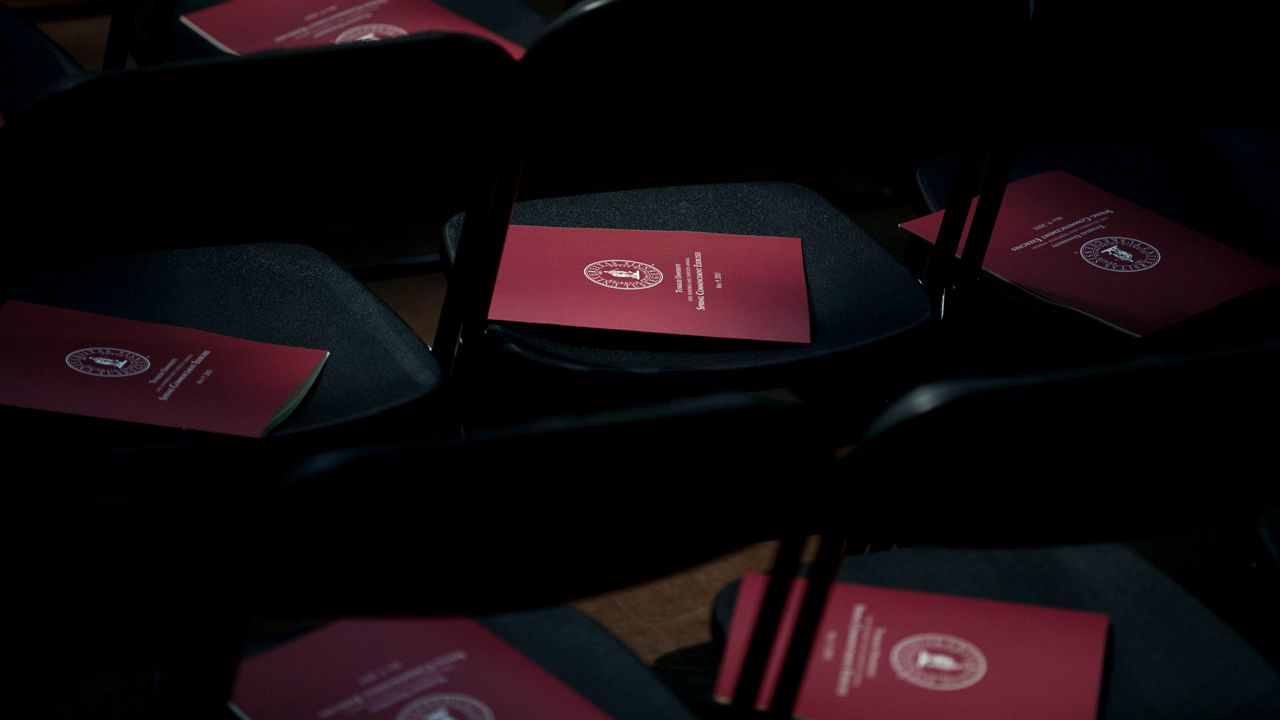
point(596, 102)
point(236, 152)
point(691, 109)
point(473, 526)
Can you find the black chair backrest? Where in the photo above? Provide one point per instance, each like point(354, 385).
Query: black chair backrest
point(537, 513)
point(673, 92)
point(1110, 63)
point(1078, 454)
point(331, 146)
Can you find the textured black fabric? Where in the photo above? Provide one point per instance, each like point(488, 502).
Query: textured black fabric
point(512, 19)
point(858, 294)
point(1220, 181)
point(586, 657)
point(1168, 656)
point(285, 294)
point(30, 62)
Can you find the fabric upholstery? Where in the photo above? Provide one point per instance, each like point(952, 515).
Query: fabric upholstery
point(285, 294)
point(586, 657)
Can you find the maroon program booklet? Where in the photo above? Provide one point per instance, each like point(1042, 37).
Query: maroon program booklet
point(88, 364)
point(240, 27)
point(746, 287)
point(1081, 247)
point(883, 653)
point(421, 669)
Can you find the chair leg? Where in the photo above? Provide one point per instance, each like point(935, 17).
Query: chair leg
point(822, 575)
point(785, 565)
point(117, 52)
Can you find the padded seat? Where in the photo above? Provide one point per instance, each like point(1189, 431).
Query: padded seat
point(859, 295)
point(583, 655)
point(284, 294)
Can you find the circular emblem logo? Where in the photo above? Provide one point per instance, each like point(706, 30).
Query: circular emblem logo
point(107, 362)
point(446, 706)
point(369, 33)
point(623, 274)
point(938, 662)
point(1120, 254)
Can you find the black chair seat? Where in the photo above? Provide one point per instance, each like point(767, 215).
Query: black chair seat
point(583, 655)
point(283, 294)
point(1168, 656)
point(859, 295)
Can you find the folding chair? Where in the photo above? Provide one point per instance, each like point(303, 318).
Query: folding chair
point(635, 94)
point(1184, 137)
point(1038, 441)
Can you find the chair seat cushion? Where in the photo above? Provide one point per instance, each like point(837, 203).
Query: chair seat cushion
point(583, 655)
point(1168, 655)
point(284, 294)
point(858, 294)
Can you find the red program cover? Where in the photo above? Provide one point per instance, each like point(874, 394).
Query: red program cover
point(1084, 248)
point(883, 653)
point(88, 364)
point(681, 283)
point(247, 26)
point(437, 669)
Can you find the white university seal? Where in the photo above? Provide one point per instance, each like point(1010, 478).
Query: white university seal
point(107, 362)
point(446, 706)
point(623, 274)
point(1120, 254)
point(938, 662)
point(369, 33)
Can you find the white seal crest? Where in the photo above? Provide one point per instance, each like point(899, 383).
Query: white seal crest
point(446, 706)
point(1120, 254)
point(369, 33)
point(938, 662)
point(623, 274)
point(107, 362)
